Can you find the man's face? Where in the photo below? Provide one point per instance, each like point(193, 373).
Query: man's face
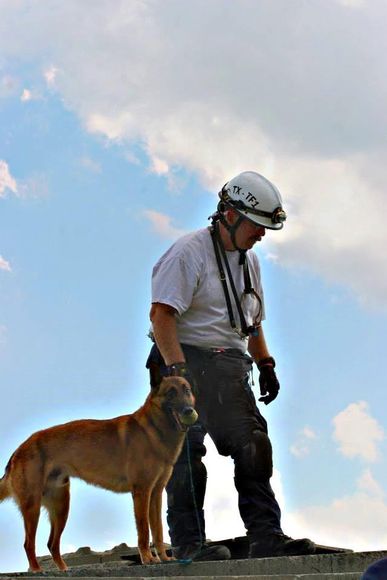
point(248, 233)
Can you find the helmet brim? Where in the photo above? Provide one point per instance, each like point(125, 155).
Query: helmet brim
point(258, 220)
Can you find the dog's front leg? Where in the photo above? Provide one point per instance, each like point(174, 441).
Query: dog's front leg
point(141, 500)
point(156, 524)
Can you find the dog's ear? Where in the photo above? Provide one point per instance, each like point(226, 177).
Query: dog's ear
point(154, 363)
point(155, 376)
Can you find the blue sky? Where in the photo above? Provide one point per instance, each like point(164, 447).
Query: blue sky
point(119, 122)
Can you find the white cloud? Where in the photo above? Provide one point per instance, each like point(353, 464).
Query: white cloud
point(328, 231)
point(159, 166)
point(29, 95)
point(34, 187)
point(309, 114)
point(221, 502)
point(162, 224)
point(7, 182)
point(309, 433)
point(4, 264)
point(357, 433)
point(356, 521)
point(113, 128)
point(302, 446)
point(367, 483)
point(352, 3)
point(26, 95)
point(49, 75)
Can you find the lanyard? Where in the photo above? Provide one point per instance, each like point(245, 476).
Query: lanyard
point(244, 330)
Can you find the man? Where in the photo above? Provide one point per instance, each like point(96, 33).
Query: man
point(207, 308)
point(376, 571)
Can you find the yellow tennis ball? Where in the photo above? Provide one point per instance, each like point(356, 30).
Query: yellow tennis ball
point(189, 419)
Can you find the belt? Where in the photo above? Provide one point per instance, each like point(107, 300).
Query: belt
point(215, 349)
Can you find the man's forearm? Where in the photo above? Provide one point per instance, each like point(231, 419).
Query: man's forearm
point(257, 346)
point(165, 333)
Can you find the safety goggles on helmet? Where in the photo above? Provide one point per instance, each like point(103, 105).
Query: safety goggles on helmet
point(278, 216)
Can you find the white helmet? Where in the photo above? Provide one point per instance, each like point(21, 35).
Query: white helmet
point(256, 198)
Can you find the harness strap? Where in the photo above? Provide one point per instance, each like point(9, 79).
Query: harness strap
point(223, 279)
point(217, 242)
point(246, 272)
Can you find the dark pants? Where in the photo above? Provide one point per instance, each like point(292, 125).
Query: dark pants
point(228, 413)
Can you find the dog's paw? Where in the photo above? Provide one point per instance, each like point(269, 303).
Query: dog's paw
point(149, 558)
point(168, 558)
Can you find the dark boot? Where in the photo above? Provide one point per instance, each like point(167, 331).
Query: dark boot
point(201, 553)
point(272, 545)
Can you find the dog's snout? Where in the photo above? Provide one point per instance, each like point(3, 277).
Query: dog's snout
point(187, 411)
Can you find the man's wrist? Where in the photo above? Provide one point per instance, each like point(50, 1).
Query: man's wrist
point(177, 369)
point(266, 362)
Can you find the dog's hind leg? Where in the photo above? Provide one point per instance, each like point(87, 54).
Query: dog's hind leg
point(30, 509)
point(155, 520)
point(27, 486)
point(57, 502)
point(141, 500)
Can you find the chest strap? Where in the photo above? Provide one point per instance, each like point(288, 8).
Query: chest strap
point(219, 249)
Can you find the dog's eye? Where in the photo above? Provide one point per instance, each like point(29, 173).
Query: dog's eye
point(172, 393)
point(187, 391)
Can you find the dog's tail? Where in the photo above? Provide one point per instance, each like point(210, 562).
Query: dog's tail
point(5, 491)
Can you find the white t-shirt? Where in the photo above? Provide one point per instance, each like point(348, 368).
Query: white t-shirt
point(187, 278)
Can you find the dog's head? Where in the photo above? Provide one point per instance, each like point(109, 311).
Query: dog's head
point(177, 401)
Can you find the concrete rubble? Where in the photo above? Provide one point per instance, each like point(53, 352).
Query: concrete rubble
point(123, 561)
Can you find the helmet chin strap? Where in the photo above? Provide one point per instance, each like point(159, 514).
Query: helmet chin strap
point(232, 230)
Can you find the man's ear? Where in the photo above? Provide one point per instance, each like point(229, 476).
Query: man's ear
point(230, 215)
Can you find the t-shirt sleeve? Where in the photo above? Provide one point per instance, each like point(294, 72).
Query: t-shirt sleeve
point(174, 283)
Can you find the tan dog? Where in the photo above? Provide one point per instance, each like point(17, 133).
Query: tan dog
point(133, 453)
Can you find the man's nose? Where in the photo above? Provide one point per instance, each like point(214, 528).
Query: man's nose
point(261, 230)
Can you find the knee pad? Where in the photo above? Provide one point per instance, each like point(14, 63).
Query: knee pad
point(255, 459)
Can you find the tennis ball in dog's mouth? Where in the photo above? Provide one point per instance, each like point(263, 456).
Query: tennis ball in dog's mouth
point(189, 418)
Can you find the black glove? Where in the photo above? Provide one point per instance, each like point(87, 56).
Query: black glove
point(180, 369)
point(268, 382)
